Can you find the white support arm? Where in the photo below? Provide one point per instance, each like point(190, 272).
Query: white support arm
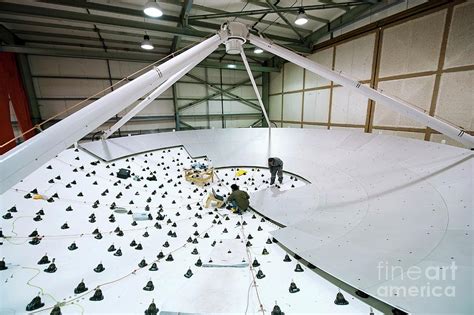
point(247, 67)
point(152, 96)
point(399, 106)
point(28, 156)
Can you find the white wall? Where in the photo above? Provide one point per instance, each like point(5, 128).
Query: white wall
point(60, 83)
point(408, 68)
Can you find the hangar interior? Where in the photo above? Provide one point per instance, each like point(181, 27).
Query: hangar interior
point(368, 103)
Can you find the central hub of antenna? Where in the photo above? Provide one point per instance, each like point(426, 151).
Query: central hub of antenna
point(237, 36)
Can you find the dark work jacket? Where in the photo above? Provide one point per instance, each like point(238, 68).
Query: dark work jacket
point(241, 198)
point(277, 163)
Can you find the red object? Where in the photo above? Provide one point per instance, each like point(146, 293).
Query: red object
point(11, 88)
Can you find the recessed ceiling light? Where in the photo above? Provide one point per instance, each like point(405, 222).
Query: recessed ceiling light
point(231, 66)
point(152, 9)
point(301, 18)
point(258, 50)
point(146, 44)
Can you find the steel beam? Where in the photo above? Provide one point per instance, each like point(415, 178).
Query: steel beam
point(350, 16)
point(138, 13)
point(148, 100)
point(257, 121)
point(75, 77)
point(137, 57)
point(328, 28)
point(217, 116)
point(170, 117)
point(137, 37)
point(244, 17)
point(101, 20)
point(86, 38)
point(266, 94)
point(220, 115)
point(183, 21)
point(310, 17)
point(124, 11)
point(240, 66)
point(8, 37)
point(280, 14)
point(206, 78)
point(175, 106)
point(80, 98)
point(331, 1)
point(213, 56)
point(216, 88)
point(187, 6)
point(293, 46)
point(277, 10)
point(75, 28)
point(216, 94)
point(188, 125)
point(25, 72)
point(48, 42)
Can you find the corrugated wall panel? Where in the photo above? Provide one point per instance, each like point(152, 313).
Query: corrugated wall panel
point(316, 106)
point(460, 48)
point(324, 58)
point(275, 107)
point(348, 107)
point(191, 90)
point(293, 77)
point(292, 106)
point(412, 46)
point(417, 91)
point(50, 108)
point(409, 66)
point(234, 107)
point(60, 66)
point(122, 69)
point(354, 58)
point(275, 82)
point(69, 88)
point(456, 98)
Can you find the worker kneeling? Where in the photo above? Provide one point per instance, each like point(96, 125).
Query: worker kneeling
point(238, 200)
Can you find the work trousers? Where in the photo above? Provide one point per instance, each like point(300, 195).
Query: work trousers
point(274, 171)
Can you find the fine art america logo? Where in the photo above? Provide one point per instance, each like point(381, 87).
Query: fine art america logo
point(415, 281)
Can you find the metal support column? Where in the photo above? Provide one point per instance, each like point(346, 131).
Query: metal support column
point(222, 100)
point(25, 73)
point(266, 94)
point(206, 77)
point(183, 19)
point(176, 108)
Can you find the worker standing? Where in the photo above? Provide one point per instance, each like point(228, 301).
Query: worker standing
point(238, 199)
point(276, 167)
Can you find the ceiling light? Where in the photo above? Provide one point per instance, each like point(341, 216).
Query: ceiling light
point(147, 44)
point(301, 18)
point(231, 66)
point(152, 9)
point(258, 50)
